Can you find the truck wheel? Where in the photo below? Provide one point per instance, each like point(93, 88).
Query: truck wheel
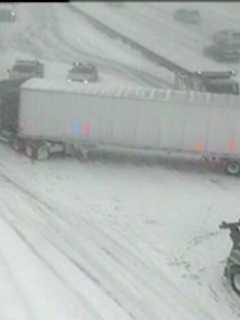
point(232, 168)
point(17, 145)
point(29, 151)
point(42, 152)
point(235, 280)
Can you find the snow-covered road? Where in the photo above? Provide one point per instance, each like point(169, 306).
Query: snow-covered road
point(152, 25)
point(52, 35)
point(77, 242)
point(111, 239)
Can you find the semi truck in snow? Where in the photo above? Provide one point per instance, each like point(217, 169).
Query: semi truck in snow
point(67, 116)
point(220, 82)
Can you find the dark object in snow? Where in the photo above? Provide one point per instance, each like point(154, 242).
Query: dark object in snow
point(187, 16)
point(26, 69)
point(226, 54)
point(220, 82)
point(9, 101)
point(7, 15)
point(235, 232)
point(230, 38)
point(83, 72)
point(232, 268)
point(225, 47)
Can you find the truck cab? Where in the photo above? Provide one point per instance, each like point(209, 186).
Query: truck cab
point(220, 82)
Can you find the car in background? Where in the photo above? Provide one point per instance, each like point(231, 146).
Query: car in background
point(26, 69)
point(228, 54)
point(228, 37)
point(224, 54)
point(225, 46)
point(187, 16)
point(83, 72)
point(7, 14)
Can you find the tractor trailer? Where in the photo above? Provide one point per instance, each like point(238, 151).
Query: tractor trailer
point(55, 115)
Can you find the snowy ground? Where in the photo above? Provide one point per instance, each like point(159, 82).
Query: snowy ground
point(152, 24)
point(77, 242)
point(52, 34)
point(115, 237)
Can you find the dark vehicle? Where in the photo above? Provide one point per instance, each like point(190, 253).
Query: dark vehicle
point(228, 54)
point(26, 69)
point(222, 86)
point(217, 74)
point(7, 15)
point(232, 268)
point(83, 72)
point(227, 38)
point(219, 82)
point(221, 53)
point(188, 16)
point(225, 47)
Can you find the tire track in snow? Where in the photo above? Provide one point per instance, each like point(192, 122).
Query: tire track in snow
point(146, 77)
point(35, 199)
point(49, 266)
point(53, 244)
point(36, 42)
point(75, 261)
point(28, 310)
point(126, 267)
point(50, 210)
point(151, 55)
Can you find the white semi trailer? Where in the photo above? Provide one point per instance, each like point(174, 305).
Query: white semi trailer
point(55, 114)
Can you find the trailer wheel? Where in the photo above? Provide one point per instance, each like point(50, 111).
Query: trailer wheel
point(29, 151)
point(235, 280)
point(42, 152)
point(17, 145)
point(232, 168)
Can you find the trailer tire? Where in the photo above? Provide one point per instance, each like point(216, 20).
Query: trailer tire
point(232, 168)
point(42, 152)
point(37, 151)
point(235, 280)
point(17, 145)
point(30, 151)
